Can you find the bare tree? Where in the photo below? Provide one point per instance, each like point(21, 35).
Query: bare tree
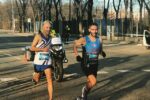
point(58, 15)
point(105, 14)
point(48, 9)
point(22, 5)
point(83, 10)
point(57, 4)
point(90, 7)
point(141, 2)
point(117, 13)
point(80, 9)
point(35, 11)
point(41, 10)
point(126, 3)
point(1, 16)
point(147, 5)
point(6, 15)
point(70, 10)
point(131, 16)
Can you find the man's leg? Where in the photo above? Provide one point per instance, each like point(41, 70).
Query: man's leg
point(48, 73)
point(36, 77)
point(91, 82)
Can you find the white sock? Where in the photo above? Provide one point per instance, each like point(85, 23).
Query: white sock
point(84, 90)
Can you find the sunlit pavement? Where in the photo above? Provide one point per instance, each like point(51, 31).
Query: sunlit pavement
point(123, 74)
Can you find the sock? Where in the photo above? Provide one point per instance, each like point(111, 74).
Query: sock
point(85, 91)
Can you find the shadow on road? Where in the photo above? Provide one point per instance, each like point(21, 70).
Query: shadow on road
point(16, 39)
point(73, 68)
point(114, 87)
point(121, 84)
point(113, 61)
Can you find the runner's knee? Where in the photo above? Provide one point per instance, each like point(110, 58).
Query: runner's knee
point(92, 81)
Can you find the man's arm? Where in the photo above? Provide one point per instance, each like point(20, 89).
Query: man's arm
point(101, 50)
point(78, 43)
point(35, 42)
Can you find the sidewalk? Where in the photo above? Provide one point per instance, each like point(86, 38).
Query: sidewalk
point(22, 34)
point(105, 41)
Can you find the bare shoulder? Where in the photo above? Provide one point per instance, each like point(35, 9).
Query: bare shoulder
point(80, 41)
point(37, 37)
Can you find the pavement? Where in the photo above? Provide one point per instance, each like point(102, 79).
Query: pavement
point(29, 38)
point(125, 74)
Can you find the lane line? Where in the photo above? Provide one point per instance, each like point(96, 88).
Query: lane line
point(8, 79)
point(123, 71)
point(70, 75)
point(10, 55)
point(102, 72)
point(146, 70)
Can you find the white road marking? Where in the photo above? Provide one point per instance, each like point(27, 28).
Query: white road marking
point(146, 70)
point(18, 58)
point(8, 79)
point(102, 72)
point(69, 75)
point(8, 54)
point(139, 45)
point(123, 71)
point(1, 51)
point(108, 45)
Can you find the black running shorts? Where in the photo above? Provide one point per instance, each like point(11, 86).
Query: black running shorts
point(89, 70)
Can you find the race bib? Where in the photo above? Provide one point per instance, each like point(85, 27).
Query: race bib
point(92, 56)
point(43, 56)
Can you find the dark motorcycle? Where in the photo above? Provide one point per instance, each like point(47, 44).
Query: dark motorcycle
point(58, 58)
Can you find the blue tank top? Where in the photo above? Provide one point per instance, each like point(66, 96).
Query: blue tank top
point(92, 47)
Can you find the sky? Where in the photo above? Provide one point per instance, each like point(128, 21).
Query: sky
point(2, 0)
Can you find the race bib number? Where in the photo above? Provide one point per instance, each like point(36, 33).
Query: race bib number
point(43, 56)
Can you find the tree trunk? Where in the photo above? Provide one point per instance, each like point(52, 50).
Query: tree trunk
point(149, 20)
point(90, 6)
point(117, 11)
point(131, 17)
point(125, 29)
point(69, 10)
point(140, 20)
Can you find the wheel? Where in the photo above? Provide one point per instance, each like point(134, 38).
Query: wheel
point(58, 71)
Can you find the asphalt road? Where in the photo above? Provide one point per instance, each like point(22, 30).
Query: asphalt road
point(123, 74)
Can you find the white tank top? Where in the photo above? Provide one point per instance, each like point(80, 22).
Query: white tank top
point(43, 58)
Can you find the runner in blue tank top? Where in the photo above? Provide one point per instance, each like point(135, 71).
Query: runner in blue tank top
point(92, 47)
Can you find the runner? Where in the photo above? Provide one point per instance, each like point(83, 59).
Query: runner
point(42, 60)
point(92, 47)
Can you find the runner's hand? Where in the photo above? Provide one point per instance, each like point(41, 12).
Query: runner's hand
point(103, 54)
point(79, 58)
point(45, 49)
